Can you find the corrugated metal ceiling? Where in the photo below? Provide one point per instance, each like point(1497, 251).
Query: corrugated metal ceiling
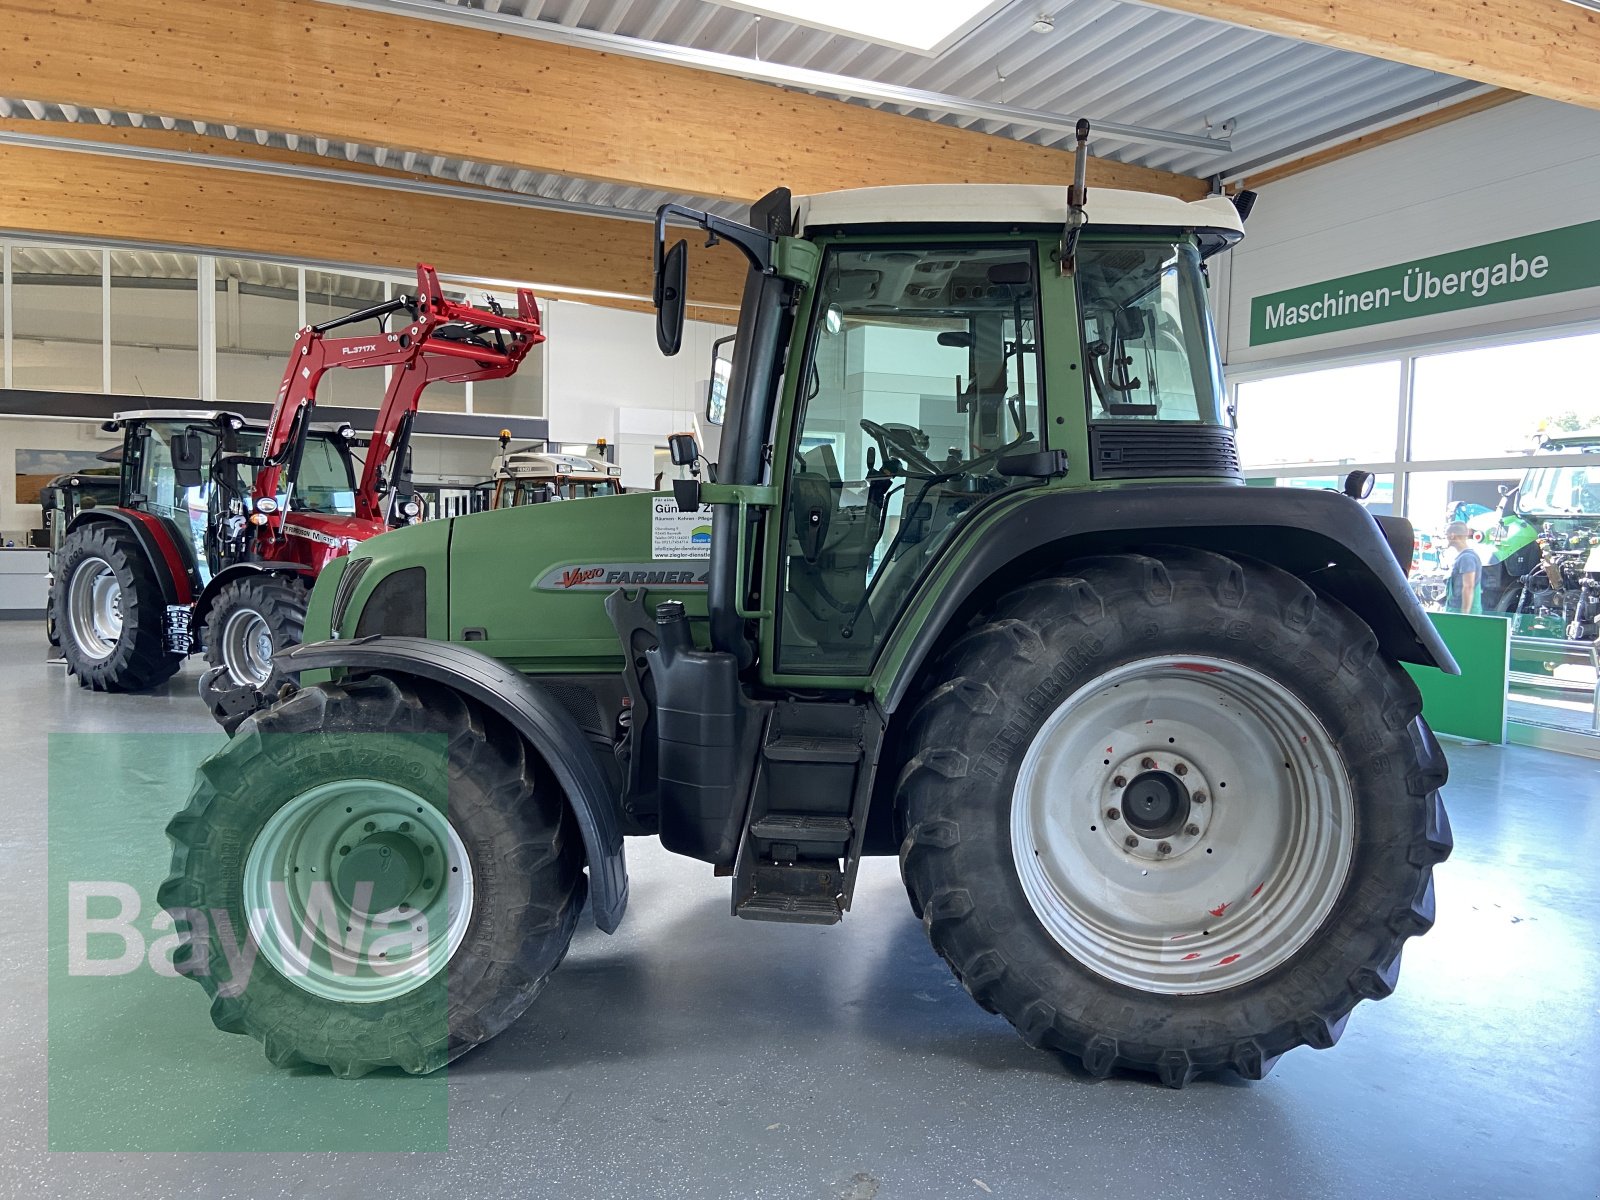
point(1105, 59)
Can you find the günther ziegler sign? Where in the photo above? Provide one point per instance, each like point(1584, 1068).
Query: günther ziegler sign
point(1539, 264)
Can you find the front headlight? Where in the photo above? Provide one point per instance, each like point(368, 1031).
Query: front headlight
point(398, 606)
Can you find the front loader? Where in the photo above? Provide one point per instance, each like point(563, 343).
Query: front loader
point(975, 582)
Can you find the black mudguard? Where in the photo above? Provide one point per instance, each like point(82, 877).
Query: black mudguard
point(532, 711)
point(1323, 537)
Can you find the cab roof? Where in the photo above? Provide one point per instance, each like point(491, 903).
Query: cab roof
point(966, 204)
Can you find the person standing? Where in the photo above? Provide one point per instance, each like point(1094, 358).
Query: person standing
point(1464, 591)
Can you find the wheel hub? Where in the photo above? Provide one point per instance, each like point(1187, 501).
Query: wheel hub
point(388, 863)
point(1155, 804)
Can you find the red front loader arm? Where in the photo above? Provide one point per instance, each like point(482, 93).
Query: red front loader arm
point(445, 341)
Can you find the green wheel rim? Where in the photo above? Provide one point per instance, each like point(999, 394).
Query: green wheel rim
point(358, 891)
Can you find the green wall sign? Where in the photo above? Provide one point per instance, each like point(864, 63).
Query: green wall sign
point(1539, 264)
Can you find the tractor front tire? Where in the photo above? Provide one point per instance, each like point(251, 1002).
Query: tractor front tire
point(344, 812)
point(1171, 813)
point(109, 610)
point(251, 621)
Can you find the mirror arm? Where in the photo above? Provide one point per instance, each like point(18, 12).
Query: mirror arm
point(752, 243)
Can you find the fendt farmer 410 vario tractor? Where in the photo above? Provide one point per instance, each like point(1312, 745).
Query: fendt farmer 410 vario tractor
point(985, 592)
point(223, 526)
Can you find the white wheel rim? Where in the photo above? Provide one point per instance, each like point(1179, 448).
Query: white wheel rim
point(247, 647)
point(1239, 810)
point(94, 599)
point(303, 917)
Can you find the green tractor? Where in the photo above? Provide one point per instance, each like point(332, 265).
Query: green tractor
point(974, 582)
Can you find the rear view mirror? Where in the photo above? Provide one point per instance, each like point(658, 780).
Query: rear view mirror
point(188, 467)
point(671, 279)
point(955, 337)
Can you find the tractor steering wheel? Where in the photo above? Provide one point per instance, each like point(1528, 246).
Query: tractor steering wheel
point(895, 444)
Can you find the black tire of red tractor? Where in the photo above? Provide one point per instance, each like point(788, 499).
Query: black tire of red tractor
point(281, 602)
point(508, 810)
point(140, 659)
point(954, 823)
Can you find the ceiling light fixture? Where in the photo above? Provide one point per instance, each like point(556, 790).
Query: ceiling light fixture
point(1043, 23)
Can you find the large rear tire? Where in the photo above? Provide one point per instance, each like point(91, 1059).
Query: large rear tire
point(110, 611)
point(252, 619)
point(1171, 813)
point(460, 835)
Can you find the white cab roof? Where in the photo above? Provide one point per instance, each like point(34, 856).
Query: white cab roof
point(1011, 204)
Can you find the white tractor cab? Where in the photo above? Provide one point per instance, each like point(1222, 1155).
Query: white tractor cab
point(534, 474)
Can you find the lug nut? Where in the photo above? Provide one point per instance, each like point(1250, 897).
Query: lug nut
point(1163, 849)
point(1149, 764)
point(1198, 797)
point(1192, 830)
point(1180, 769)
point(1113, 814)
point(1130, 841)
point(1120, 781)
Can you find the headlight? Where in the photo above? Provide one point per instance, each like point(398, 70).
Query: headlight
point(398, 606)
point(267, 505)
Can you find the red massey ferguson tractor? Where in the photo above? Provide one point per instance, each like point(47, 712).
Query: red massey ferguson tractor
point(222, 527)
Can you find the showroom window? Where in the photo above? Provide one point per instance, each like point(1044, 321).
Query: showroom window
point(1345, 414)
point(155, 324)
point(257, 315)
point(58, 318)
point(1467, 435)
point(331, 294)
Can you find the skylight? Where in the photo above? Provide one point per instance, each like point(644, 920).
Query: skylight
point(923, 26)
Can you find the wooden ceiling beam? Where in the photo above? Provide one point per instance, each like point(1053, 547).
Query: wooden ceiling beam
point(1542, 47)
point(377, 79)
point(68, 195)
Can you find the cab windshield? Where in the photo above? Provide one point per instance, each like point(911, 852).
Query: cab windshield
point(1148, 341)
point(325, 484)
point(1562, 491)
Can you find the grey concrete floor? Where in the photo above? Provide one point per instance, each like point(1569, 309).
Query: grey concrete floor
point(694, 1055)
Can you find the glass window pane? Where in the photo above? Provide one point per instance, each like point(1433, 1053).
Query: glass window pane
point(1347, 414)
point(1379, 503)
point(155, 324)
point(923, 373)
point(57, 318)
point(519, 395)
point(1498, 399)
point(331, 294)
point(1148, 342)
point(258, 316)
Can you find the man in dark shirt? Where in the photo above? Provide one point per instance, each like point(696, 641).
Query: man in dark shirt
point(1464, 592)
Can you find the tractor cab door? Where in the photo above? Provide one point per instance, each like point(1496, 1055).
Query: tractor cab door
point(918, 402)
point(151, 482)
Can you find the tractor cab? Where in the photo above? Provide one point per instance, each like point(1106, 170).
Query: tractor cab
point(535, 475)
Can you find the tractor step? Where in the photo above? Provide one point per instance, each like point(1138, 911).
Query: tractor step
point(797, 749)
point(801, 827)
point(802, 894)
point(793, 910)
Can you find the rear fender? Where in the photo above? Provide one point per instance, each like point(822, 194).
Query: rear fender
point(174, 569)
point(532, 711)
point(1323, 537)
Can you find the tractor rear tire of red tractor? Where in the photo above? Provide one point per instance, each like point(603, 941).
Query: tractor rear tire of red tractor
point(252, 619)
point(1171, 812)
point(110, 612)
point(468, 840)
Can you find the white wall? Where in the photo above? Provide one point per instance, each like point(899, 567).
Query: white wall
point(1521, 168)
point(605, 378)
point(37, 434)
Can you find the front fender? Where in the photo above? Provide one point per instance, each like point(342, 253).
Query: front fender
point(531, 710)
point(1325, 538)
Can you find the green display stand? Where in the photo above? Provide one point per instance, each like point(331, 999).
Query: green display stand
point(1473, 703)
